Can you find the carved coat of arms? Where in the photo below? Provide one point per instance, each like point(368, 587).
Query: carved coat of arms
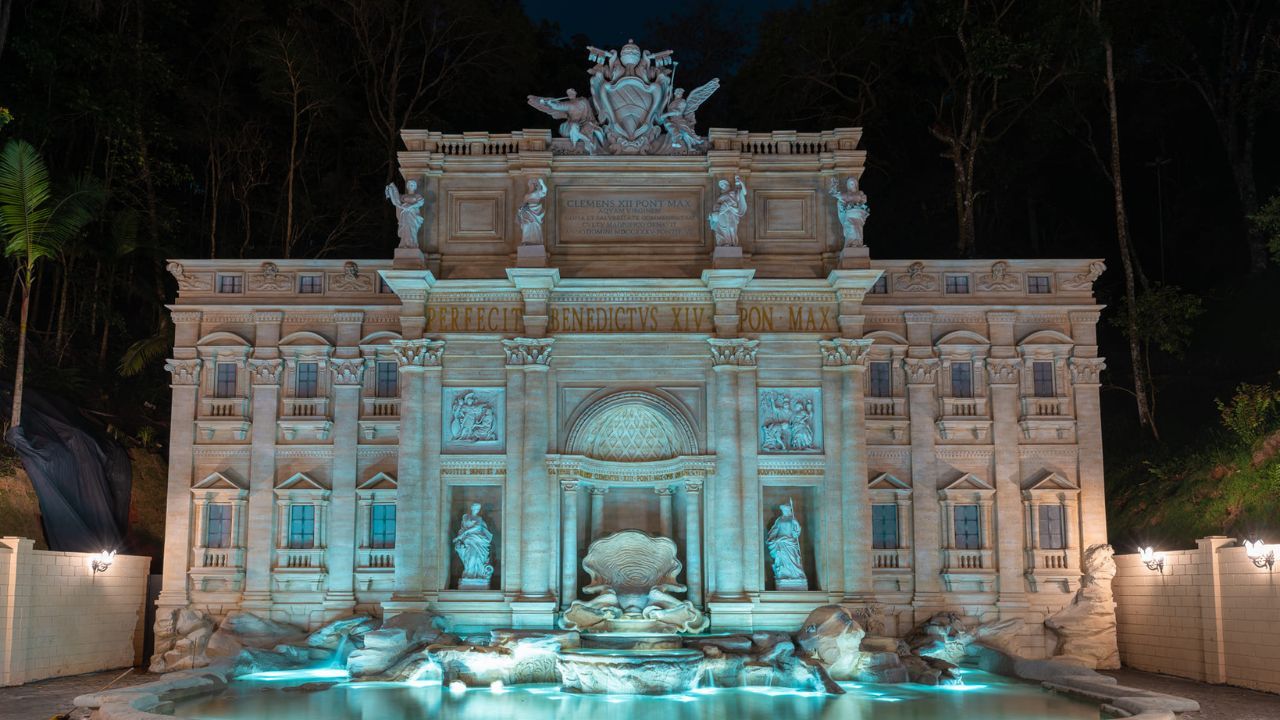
point(635, 108)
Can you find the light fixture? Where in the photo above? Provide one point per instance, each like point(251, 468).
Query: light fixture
point(102, 561)
point(1260, 554)
point(1152, 559)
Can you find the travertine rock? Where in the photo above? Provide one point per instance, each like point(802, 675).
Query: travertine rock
point(397, 637)
point(240, 630)
point(1087, 627)
point(181, 639)
point(833, 637)
point(330, 636)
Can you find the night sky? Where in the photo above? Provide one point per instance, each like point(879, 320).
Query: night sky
point(612, 24)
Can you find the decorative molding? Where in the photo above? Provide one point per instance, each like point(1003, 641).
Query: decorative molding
point(348, 371)
point(528, 352)
point(921, 371)
point(350, 280)
point(474, 418)
point(999, 279)
point(790, 420)
point(568, 486)
point(899, 454)
point(188, 282)
point(221, 451)
point(944, 452)
point(790, 465)
point(269, 280)
point(1003, 371)
point(183, 372)
point(842, 352)
point(348, 316)
point(218, 318)
point(693, 486)
point(1087, 371)
point(1068, 452)
point(923, 316)
point(1084, 280)
point(733, 352)
point(1078, 317)
point(264, 372)
point(185, 316)
point(418, 353)
point(299, 452)
point(915, 280)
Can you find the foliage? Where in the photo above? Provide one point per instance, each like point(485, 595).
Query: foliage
point(6, 117)
point(1266, 222)
point(1253, 408)
point(1166, 317)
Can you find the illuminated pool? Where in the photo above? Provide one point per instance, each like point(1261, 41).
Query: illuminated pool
point(295, 696)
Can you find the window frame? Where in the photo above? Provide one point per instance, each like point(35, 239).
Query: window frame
point(955, 284)
point(309, 516)
point(313, 380)
point(236, 280)
point(975, 520)
point(885, 510)
point(378, 538)
point(967, 367)
point(310, 284)
point(1039, 284)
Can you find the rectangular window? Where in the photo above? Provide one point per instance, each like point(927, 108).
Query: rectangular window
point(881, 286)
point(957, 284)
point(881, 379)
point(224, 385)
point(217, 525)
point(1038, 284)
point(968, 532)
point(1052, 529)
point(386, 384)
point(884, 527)
point(307, 382)
point(962, 379)
point(302, 527)
point(310, 284)
point(230, 283)
point(382, 526)
point(1042, 376)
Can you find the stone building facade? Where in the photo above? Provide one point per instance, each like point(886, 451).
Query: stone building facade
point(933, 423)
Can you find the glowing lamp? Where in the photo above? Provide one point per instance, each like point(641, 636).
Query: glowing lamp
point(102, 561)
point(1152, 559)
point(1261, 555)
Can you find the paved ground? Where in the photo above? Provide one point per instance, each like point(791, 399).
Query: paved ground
point(1217, 702)
point(52, 698)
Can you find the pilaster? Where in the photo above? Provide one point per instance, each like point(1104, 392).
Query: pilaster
point(693, 540)
point(1086, 375)
point(184, 381)
point(568, 542)
point(1003, 374)
point(922, 386)
point(264, 375)
point(846, 360)
point(348, 376)
point(733, 364)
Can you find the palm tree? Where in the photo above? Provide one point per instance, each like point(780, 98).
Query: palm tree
point(34, 227)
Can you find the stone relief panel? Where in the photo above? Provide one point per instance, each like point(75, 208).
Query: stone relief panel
point(790, 420)
point(474, 419)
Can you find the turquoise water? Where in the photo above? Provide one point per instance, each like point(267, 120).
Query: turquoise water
point(982, 697)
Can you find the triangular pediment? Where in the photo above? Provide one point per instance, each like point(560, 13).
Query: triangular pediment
point(885, 481)
point(381, 481)
point(969, 481)
point(300, 481)
point(217, 481)
point(1052, 481)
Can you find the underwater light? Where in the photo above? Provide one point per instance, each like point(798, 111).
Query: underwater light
point(497, 686)
point(457, 687)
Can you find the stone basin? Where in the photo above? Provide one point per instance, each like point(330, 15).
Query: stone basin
point(601, 671)
point(632, 641)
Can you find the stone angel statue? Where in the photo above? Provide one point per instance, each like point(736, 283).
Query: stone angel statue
point(579, 124)
point(678, 119)
point(852, 210)
point(730, 207)
point(408, 212)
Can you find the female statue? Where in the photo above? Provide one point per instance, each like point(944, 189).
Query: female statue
point(408, 212)
point(472, 545)
point(783, 543)
point(729, 209)
point(531, 213)
point(852, 210)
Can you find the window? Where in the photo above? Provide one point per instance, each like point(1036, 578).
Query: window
point(224, 385)
point(1052, 528)
point(962, 379)
point(957, 284)
point(310, 284)
point(884, 527)
point(1038, 284)
point(382, 526)
point(308, 380)
point(881, 286)
point(1042, 376)
point(302, 527)
point(881, 379)
point(230, 283)
point(968, 533)
point(386, 383)
point(217, 525)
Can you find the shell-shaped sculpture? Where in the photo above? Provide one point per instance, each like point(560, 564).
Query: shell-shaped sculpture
point(632, 563)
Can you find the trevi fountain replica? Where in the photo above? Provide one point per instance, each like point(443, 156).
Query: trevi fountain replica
point(631, 422)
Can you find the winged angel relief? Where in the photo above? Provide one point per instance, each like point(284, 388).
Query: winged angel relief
point(635, 108)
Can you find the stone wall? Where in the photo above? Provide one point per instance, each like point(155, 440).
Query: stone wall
point(57, 618)
point(1209, 616)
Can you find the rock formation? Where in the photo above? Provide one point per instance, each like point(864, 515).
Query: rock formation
point(1087, 627)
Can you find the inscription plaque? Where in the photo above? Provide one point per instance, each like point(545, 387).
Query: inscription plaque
point(598, 216)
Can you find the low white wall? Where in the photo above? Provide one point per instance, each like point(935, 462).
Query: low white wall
point(57, 619)
point(1211, 616)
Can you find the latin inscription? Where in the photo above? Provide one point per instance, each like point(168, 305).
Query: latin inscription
point(475, 318)
point(633, 318)
point(593, 216)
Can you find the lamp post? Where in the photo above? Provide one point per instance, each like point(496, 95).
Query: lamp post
point(1152, 559)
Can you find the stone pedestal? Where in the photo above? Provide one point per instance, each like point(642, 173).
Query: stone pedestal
point(855, 258)
point(531, 256)
point(409, 259)
point(727, 257)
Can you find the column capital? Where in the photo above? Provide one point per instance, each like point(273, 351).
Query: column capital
point(844, 352)
point(348, 371)
point(693, 486)
point(1087, 371)
point(528, 352)
point(733, 352)
point(264, 372)
point(664, 490)
point(1003, 371)
point(598, 490)
point(569, 486)
point(183, 372)
point(420, 353)
point(921, 371)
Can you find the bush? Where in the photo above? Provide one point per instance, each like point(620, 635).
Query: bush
point(1251, 410)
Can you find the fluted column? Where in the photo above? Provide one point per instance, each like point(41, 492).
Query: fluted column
point(729, 356)
point(414, 357)
point(184, 381)
point(846, 359)
point(435, 531)
point(530, 358)
point(265, 378)
point(568, 542)
point(922, 404)
point(665, 495)
point(348, 375)
point(597, 511)
point(693, 539)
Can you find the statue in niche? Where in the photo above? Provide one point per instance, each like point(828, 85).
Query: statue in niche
point(729, 209)
point(852, 209)
point(474, 419)
point(408, 212)
point(786, 423)
point(579, 124)
point(531, 213)
point(783, 543)
point(472, 545)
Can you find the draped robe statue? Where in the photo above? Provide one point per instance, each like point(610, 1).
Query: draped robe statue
point(783, 543)
point(408, 212)
point(532, 213)
point(852, 210)
point(472, 545)
point(729, 209)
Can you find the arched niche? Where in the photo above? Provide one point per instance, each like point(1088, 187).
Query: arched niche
point(632, 426)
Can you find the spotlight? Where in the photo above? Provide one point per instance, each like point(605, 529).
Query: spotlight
point(1153, 560)
point(102, 561)
point(1261, 555)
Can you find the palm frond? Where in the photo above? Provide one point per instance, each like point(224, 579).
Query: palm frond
point(146, 351)
point(25, 210)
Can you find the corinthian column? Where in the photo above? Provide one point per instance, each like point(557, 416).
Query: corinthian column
point(1086, 375)
point(536, 602)
point(185, 379)
point(693, 540)
point(844, 364)
point(568, 542)
point(729, 358)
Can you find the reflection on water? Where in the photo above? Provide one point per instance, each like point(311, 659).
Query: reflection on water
point(983, 696)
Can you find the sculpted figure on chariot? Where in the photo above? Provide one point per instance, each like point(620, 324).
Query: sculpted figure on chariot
point(637, 109)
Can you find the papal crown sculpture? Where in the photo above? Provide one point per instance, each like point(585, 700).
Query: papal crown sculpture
point(635, 108)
